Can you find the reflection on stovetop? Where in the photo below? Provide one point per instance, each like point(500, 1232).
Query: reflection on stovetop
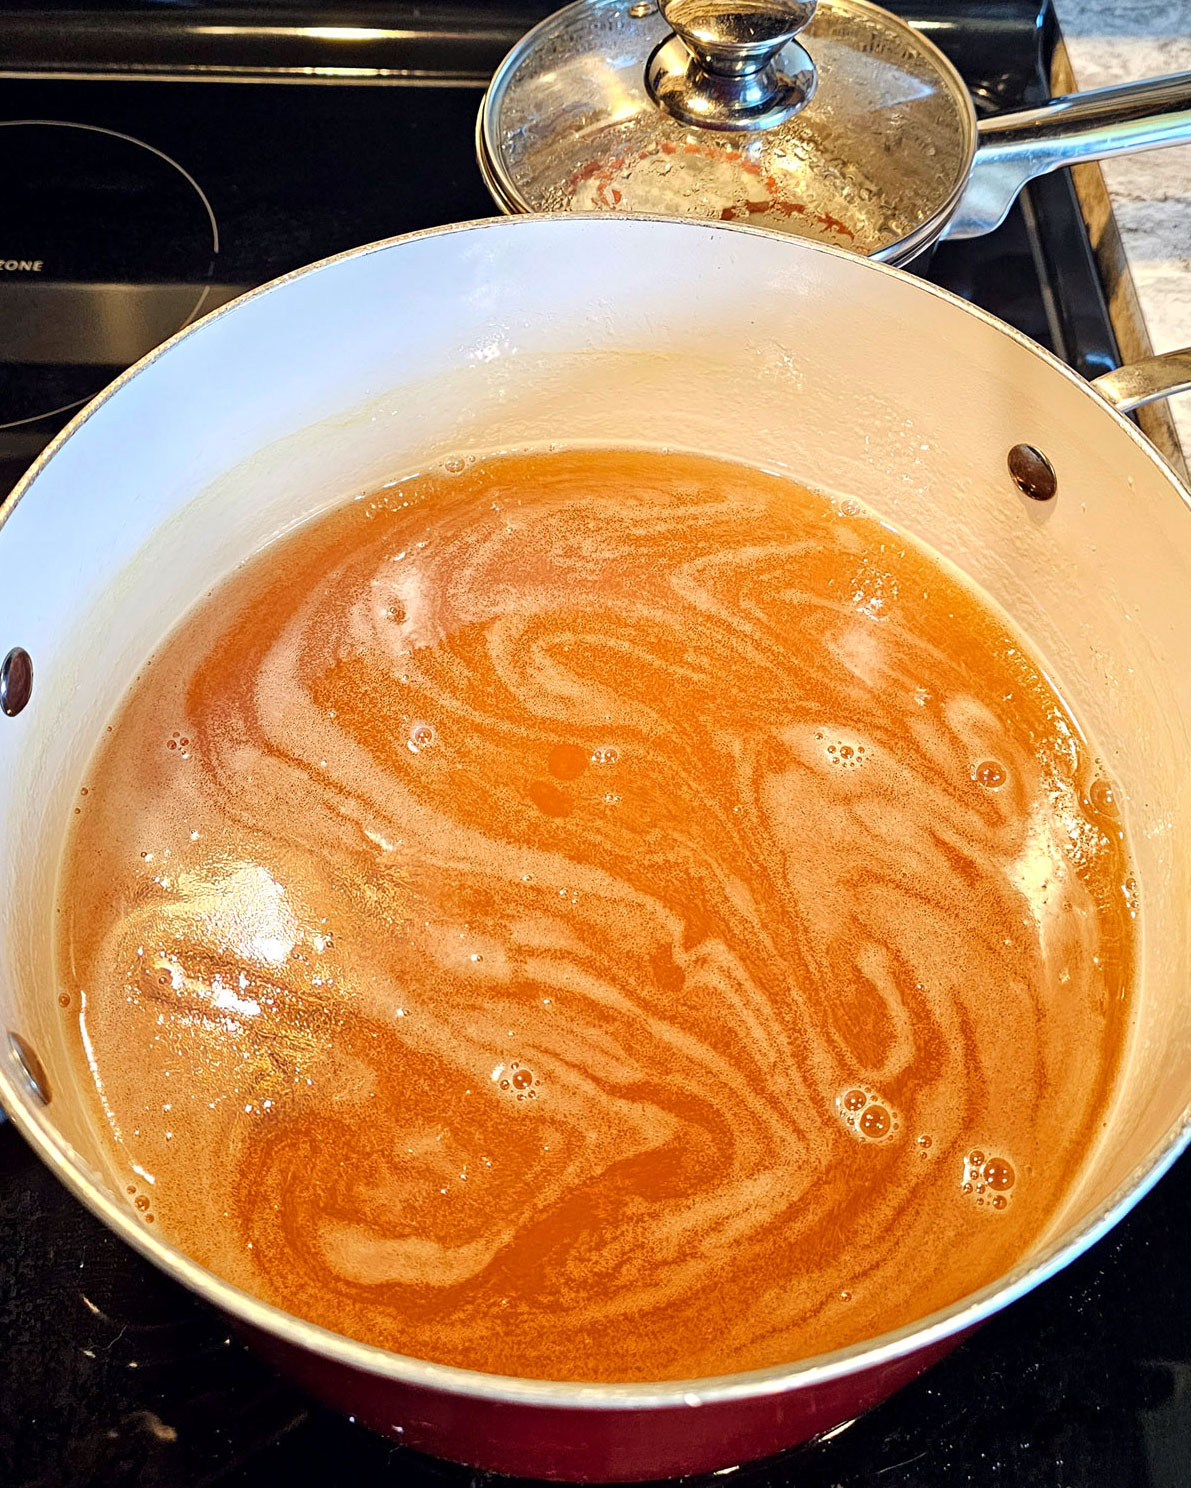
point(109, 1373)
point(289, 174)
point(109, 248)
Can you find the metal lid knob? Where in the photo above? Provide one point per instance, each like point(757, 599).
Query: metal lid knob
point(732, 64)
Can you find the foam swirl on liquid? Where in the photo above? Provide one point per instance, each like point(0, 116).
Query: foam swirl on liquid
point(582, 915)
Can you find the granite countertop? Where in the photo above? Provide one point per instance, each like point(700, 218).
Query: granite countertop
point(1146, 260)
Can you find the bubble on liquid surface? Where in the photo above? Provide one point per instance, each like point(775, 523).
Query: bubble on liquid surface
point(1102, 797)
point(991, 774)
point(421, 736)
point(520, 1082)
point(847, 755)
point(865, 1114)
point(999, 1174)
point(988, 1175)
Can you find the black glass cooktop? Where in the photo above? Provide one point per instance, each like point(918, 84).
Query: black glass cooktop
point(155, 161)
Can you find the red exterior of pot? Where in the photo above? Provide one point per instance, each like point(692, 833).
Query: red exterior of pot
point(585, 1444)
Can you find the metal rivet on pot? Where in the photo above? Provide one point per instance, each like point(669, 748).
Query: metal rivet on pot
point(1032, 472)
point(31, 1070)
point(16, 681)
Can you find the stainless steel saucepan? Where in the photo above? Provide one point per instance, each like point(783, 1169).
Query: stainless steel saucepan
point(859, 132)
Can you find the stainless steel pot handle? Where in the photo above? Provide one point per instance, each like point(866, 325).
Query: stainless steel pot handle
point(1014, 148)
point(1139, 383)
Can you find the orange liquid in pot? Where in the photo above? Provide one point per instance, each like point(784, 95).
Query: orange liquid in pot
point(597, 915)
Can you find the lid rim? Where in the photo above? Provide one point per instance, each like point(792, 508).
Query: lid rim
point(485, 124)
point(511, 201)
point(499, 188)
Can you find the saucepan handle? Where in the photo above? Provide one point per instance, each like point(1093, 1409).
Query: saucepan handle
point(1014, 148)
point(1138, 383)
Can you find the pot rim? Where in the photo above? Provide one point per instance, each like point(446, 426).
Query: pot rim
point(37, 1127)
point(509, 199)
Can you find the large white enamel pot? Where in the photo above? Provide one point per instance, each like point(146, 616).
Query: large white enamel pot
point(852, 376)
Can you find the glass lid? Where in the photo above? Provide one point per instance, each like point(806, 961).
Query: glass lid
point(859, 133)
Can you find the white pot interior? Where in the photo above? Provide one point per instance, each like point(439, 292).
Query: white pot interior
point(529, 331)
